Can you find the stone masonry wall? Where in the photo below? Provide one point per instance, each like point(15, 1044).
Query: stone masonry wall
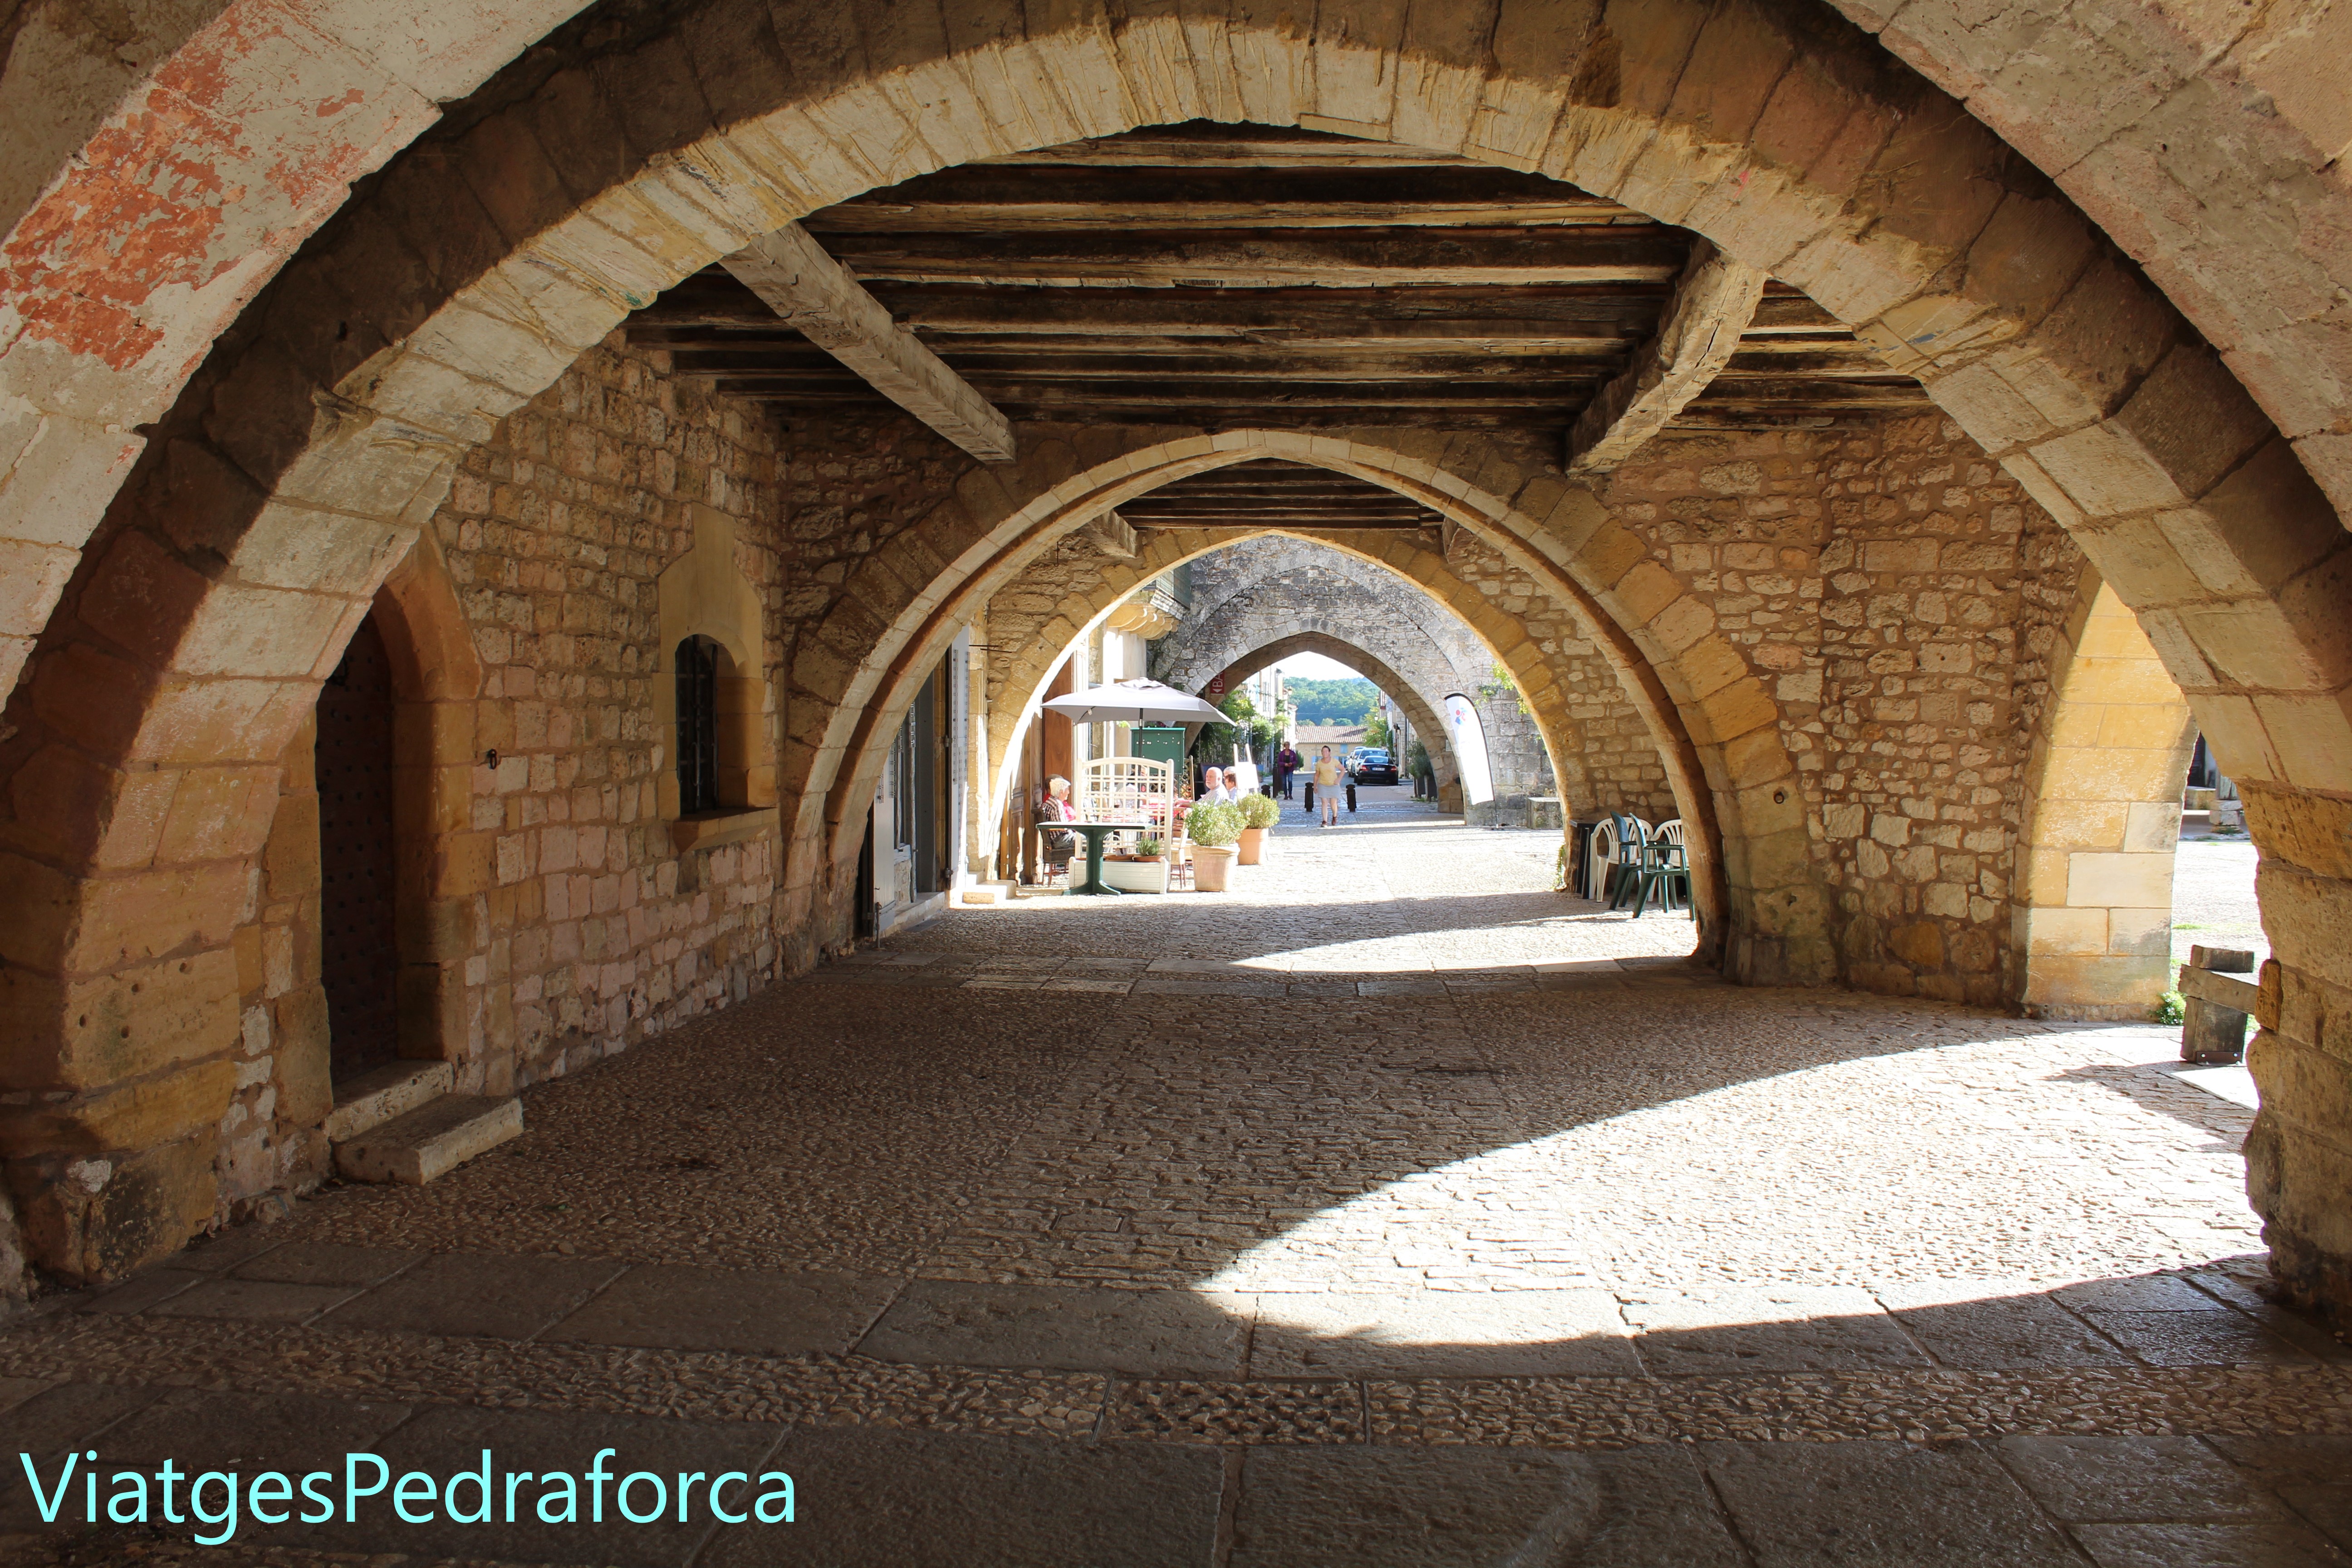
point(578, 929)
point(1900, 593)
point(1616, 766)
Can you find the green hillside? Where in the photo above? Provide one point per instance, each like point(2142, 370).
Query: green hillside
point(1330, 701)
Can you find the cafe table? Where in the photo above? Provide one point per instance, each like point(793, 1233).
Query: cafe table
point(1096, 832)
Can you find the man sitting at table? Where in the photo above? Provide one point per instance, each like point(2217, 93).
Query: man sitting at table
point(1214, 781)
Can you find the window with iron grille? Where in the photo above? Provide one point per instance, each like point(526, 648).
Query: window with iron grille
point(698, 725)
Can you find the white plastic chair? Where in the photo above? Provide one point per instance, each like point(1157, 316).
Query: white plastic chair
point(1602, 855)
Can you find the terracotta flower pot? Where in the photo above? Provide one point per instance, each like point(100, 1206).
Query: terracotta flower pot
point(1212, 864)
point(1253, 846)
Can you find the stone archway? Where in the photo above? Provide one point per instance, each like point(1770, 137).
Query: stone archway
point(1408, 693)
point(168, 176)
point(218, 602)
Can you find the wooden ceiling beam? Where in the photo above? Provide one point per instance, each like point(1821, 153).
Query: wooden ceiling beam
point(995, 199)
point(1175, 393)
point(1341, 258)
point(1279, 367)
point(1205, 144)
point(1712, 305)
point(823, 300)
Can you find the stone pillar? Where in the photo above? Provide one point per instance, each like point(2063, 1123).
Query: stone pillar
point(2093, 924)
point(2299, 1154)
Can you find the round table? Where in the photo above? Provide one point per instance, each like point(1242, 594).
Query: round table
point(1095, 833)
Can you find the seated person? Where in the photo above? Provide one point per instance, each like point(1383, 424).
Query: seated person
point(1215, 783)
point(1059, 842)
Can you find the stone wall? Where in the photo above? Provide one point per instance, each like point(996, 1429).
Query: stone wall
point(1614, 765)
point(1903, 596)
point(570, 924)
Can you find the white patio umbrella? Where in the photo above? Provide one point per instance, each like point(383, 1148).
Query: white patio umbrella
point(1135, 703)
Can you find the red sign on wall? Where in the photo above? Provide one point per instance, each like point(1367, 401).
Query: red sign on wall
point(1216, 686)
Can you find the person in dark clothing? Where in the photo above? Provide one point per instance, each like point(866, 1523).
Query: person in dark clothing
point(1285, 763)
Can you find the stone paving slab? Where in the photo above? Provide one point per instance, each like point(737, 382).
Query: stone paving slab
point(265, 1300)
point(926, 1500)
point(1521, 1333)
point(1447, 1507)
point(666, 1307)
point(1996, 1332)
point(1145, 1333)
point(1774, 1329)
point(1891, 1505)
point(327, 1263)
point(502, 1296)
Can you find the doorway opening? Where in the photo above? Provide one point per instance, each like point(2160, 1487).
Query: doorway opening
point(359, 956)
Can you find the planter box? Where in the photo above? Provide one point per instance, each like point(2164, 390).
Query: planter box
point(1253, 846)
point(1136, 876)
point(1212, 865)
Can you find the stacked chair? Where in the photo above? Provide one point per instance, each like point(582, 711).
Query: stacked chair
point(1630, 859)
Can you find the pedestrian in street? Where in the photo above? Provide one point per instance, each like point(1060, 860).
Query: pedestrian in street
point(1326, 779)
point(1285, 766)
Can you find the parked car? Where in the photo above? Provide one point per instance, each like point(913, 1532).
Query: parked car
point(1373, 765)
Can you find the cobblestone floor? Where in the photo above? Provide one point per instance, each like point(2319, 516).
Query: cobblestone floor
point(1389, 1209)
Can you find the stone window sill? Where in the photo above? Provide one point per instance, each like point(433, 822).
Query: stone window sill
point(729, 824)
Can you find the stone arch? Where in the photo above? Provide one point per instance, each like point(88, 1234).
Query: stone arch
point(166, 180)
point(242, 551)
point(2000, 347)
point(1445, 764)
point(1425, 718)
point(2094, 861)
point(1418, 651)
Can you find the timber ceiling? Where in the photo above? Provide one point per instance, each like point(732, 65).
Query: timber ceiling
point(1272, 493)
point(1227, 276)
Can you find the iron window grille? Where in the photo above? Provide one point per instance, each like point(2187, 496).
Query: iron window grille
point(698, 726)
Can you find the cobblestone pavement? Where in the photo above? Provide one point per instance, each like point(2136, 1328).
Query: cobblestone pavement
point(1389, 1209)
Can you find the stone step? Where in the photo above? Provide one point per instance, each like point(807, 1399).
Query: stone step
point(375, 1098)
point(435, 1138)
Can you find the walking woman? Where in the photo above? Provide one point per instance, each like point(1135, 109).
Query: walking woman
point(1326, 779)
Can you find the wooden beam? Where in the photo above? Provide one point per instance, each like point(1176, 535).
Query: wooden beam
point(1206, 145)
point(1267, 364)
point(1060, 200)
point(1700, 332)
point(1332, 259)
point(1179, 392)
point(820, 298)
point(1573, 313)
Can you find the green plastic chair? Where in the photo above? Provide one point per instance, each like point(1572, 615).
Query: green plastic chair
point(1658, 867)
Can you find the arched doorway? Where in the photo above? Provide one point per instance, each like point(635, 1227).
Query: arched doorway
point(357, 862)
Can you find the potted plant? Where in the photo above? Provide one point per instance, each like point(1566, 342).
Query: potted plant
point(1142, 870)
point(1258, 814)
point(1212, 828)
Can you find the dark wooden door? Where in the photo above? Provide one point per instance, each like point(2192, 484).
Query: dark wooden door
point(355, 856)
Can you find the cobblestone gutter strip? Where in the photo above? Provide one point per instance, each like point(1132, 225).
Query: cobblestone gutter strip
point(1559, 1413)
point(702, 1385)
point(1616, 1412)
point(1916, 1407)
